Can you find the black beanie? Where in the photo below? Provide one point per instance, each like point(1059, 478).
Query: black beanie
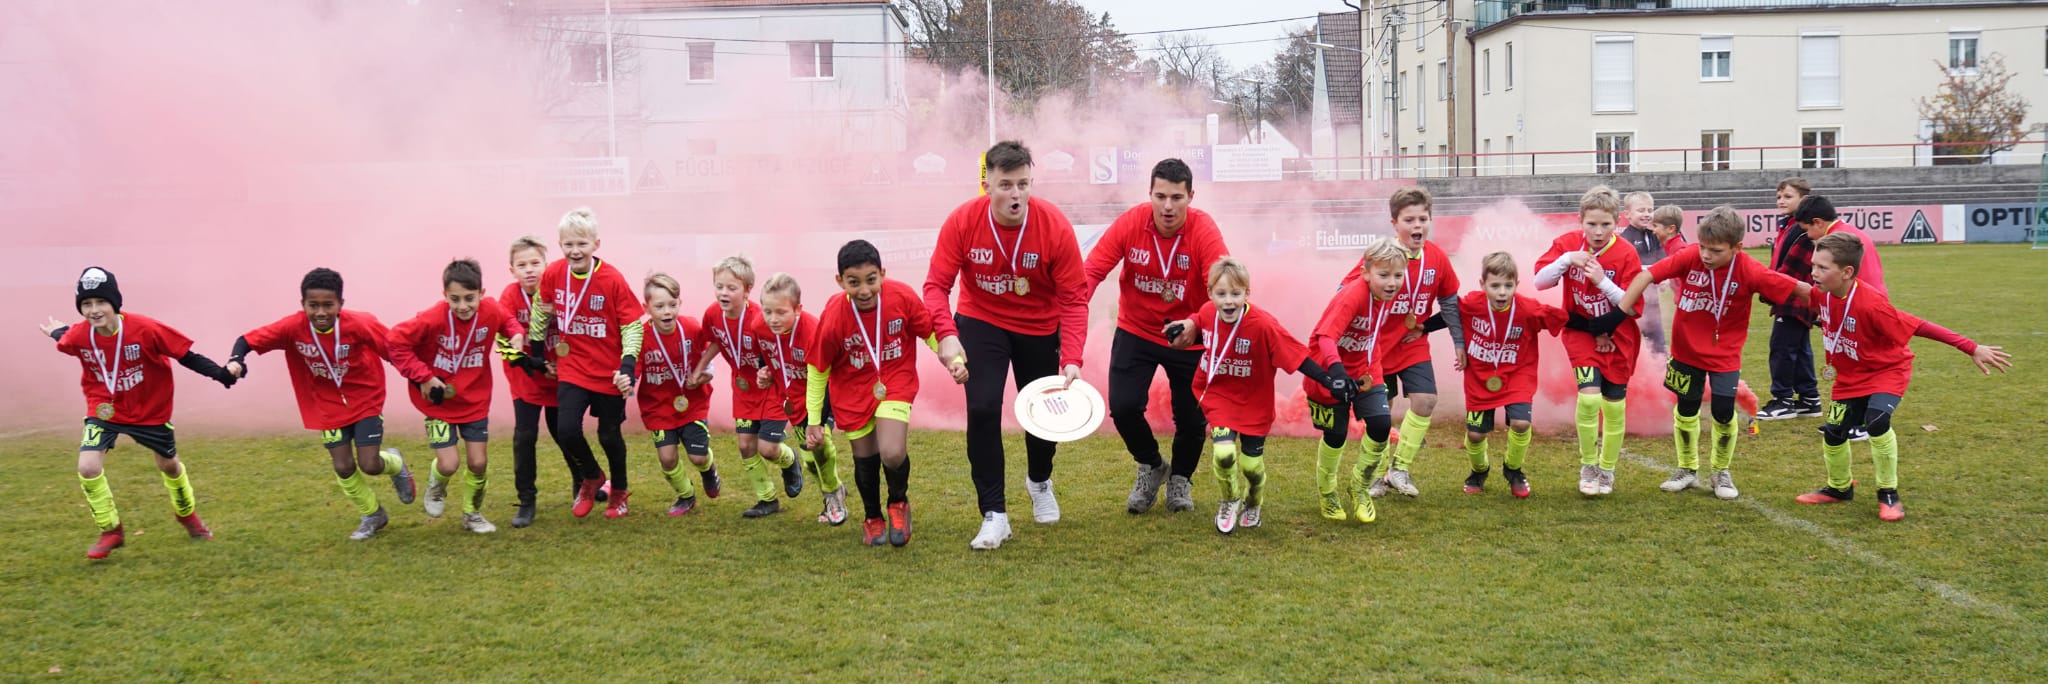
point(97, 282)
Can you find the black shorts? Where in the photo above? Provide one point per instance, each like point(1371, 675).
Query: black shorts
point(1688, 381)
point(1369, 403)
point(1249, 445)
point(99, 436)
point(1417, 379)
point(368, 432)
point(441, 434)
point(1864, 412)
point(1482, 421)
point(1591, 378)
point(772, 430)
point(695, 438)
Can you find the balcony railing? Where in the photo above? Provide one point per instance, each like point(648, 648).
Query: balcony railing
point(1490, 12)
point(1652, 160)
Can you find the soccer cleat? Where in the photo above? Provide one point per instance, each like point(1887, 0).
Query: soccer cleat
point(874, 531)
point(995, 529)
point(1045, 508)
point(1476, 482)
point(1724, 485)
point(1518, 484)
point(475, 522)
point(371, 523)
point(1364, 510)
point(437, 497)
point(1333, 507)
point(682, 506)
point(1589, 480)
point(604, 490)
point(1145, 487)
point(1606, 482)
point(616, 508)
point(523, 516)
point(835, 508)
point(899, 523)
point(1226, 516)
point(108, 541)
point(763, 509)
point(1888, 507)
point(1249, 518)
point(793, 479)
point(194, 527)
point(586, 499)
point(1681, 480)
point(1398, 479)
point(1180, 494)
point(1858, 434)
point(1379, 488)
point(402, 481)
point(1828, 495)
point(711, 482)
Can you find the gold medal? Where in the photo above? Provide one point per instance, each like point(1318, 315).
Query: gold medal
point(562, 349)
point(788, 407)
point(1828, 372)
point(1493, 384)
point(447, 391)
point(1023, 286)
point(881, 390)
point(681, 403)
point(104, 411)
point(1412, 324)
point(1169, 296)
point(743, 385)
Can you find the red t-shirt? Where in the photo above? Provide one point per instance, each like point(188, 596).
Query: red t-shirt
point(744, 351)
point(1430, 277)
point(665, 362)
point(425, 347)
point(1872, 270)
point(318, 358)
point(1235, 378)
point(1502, 344)
point(136, 359)
point(590, 309)
point(842, 350)
point(1865, 339)
point(989, 260)
point(787, 356)
point(1700, 337)
point(1581, 295)
point(537, 389)
point(1154, 266)
point(1352, 322)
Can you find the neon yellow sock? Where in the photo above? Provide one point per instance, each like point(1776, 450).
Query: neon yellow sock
point(358, 492)
point(1329, 462)
point(1587, 420)
point(710, 460)
point(180, 487)
point(1414, 429)
point(1613, 425)
point(1724, 444)
point(1837, 457)
point(99, 496)
point(825, 461)
point(1223, 461)
point(1884, 452)
point(1477, 452)
point(1518, 447)
point(393, 465)
point(765, 485)
point(784, 456)
point(1254, 468)
point(477, 482)
point(680, 480)
point(1370, 453)
point(1685, 436)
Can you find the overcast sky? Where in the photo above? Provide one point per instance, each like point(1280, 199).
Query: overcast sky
point(1155, 15)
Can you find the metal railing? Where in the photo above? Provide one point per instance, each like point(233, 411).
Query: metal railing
point(1671, 159)
point(1490, 12)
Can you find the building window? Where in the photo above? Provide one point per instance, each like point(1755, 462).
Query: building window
point(1714, 150)
point(1716, 55)
point(1818, 150)
point(1962, 52)
point(1485, 71)
point(1443, 79)
point(1511, 145)
point(1418, 31)
point(1614, 74)
point(1401, 92)
point(1421, 112)
point(1611, 152)
point(1486, 159)
point(586, 64)
point(810, 59)
point(1820, 70)
point(700, 61)
point(1511, 66)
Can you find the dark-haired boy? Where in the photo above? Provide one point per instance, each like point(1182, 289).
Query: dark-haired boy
point(444, 354)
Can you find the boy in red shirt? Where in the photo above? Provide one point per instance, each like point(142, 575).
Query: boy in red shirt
point(673, 401)
point(1023, 310)
point(1602, 341)
point(790, 335)
point(1865, 338)
point(1717, 280)
point(1817, 216)
point(1501, 369)
point(336, 362)
point(128, 391)
point(1165, 247)
point(442, 353)
point(1244, 346)
point(530, 378)
point(864, 360)
point(734, 323)
point(594, 310)
point(1347, 340)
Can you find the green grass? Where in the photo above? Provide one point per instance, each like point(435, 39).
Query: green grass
point(1642, 585)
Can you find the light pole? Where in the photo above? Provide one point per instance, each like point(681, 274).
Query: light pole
point(1258, 107)
point(990, 16)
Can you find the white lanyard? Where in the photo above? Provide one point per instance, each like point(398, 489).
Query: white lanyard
point(872, 342)
point(1223, 349)
point(1833, 342)
point(1718, 297)
point(732, 342)
point(782, 346)
point(1016, 245)
point(1414, 283)
point(112, 377)
point(1500, 331)
point(1372, 339)
point(1166, 258)
point(670, 359)
point(577, 303)
point(462, 350)
point(333, 373)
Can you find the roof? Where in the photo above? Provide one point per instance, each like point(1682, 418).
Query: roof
point(656, 5)
point(1342, 68)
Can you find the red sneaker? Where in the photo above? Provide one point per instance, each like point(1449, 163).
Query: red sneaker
point(899, 523)
point(1888, 507)
point(873, 531)
point(109, 540)
point(586, 499)
point(194, 527)
point(617, 507)
point(1828, 495)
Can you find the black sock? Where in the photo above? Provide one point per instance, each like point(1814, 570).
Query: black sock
point(899, 481)
point(867, 477)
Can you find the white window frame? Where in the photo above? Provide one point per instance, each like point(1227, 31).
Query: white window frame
point(1421, 98)
point(1486, 71)
point(1803, 101)
point(821, 60)
point(1401, 93)
point(1511, 65)
point(1418, 31)
point(597, 58)
point(1443, 79)
point(690, 63)
point(1630, 42)
point(1725, 159)
point(1832, 155)
point(1956, 39)
point(1717, 44)
point(1627, 162)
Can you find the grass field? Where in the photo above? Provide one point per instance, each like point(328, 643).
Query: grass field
point(1642, 585)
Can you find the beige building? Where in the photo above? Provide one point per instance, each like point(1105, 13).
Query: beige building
point(1416, 92)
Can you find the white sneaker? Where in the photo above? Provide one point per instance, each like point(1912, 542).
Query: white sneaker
point(1045, 508)
point(1379, 488)
point(1226, 516)
point(1683, 479)
point(995, 529)
point(1724, 485)
point(1398, 478)
point(1589, 480)
point(475, 522)
point(1606, 482)
point(1249, 518)
point(437, 496)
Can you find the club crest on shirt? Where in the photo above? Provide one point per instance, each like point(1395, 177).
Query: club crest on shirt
point(896, 326)
point(1031, 260)
point(1849, 323)
point(981, 255)
point(597, 302)
point(132, 352)
point(1428, 277)
point(1180, 261)
point(1244, 346)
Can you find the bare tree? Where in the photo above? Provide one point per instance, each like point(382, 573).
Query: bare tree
point(1042, 46)
point(1188, 62)
point(566, 68)
point(1973, 106)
